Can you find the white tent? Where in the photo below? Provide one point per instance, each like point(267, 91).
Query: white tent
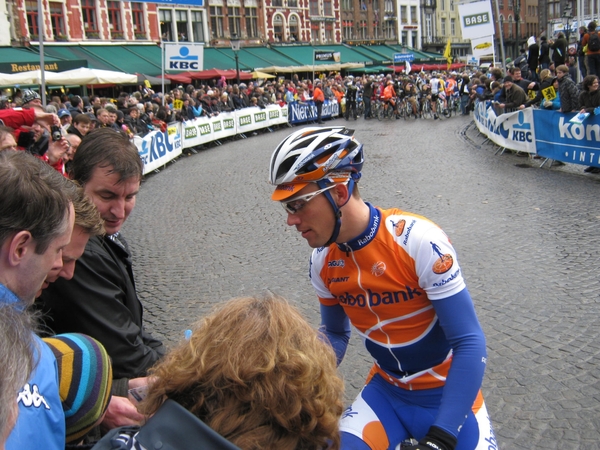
point(26, 78)
point(81, 76)
point(85, 76)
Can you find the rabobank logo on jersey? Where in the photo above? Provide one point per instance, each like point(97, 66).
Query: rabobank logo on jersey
point(189, 57)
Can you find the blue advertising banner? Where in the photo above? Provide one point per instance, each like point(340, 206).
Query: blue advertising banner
point(300, 112)
point(561, 140)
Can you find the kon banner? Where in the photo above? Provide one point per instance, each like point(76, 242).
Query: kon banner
point(577, 143)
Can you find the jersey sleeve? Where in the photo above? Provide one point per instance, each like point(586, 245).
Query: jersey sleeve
point(317, 261)
point(434, 257)
point(462, 329)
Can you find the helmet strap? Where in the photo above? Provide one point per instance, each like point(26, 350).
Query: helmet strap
point(336, 209)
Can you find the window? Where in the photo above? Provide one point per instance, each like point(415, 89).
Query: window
point(57, 19)
point(328, 32)
point(292, 3)
point(389, 6)
point(413, 14)
point(114, 20)
point(181, 23)
point(314, 33)
point(414, 42)
point(451, 5)
point(294, 29)
point(442, 5)
point(404, 40)
point(327, 9)
point(32, 17)
point(347, 5)
point(443, 27)
point(216, 21)
point(277, 3)
point(500, 4)
point(362, 29)
point(428, 22)
point(90, 23)
point(166, 24)
point(403, 14)
point(510, 4)
point(453, 27)
point(251, 22)
point(389, 29)
point(197, 26)
point(139, 26)
point(347, 28)
point(278, 27)
point(235, 21)
point(313, 7)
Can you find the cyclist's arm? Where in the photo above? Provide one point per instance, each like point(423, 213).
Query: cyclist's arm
point(459, 321)
point(335, 324)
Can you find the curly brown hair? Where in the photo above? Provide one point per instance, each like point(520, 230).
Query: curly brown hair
point(257, 373)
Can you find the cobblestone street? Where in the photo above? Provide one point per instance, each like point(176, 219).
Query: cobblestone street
point(204, 230)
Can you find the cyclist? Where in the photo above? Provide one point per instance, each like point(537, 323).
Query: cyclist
point(437, 91)
point(411, 93)
point(389, 96)
point(395, 276)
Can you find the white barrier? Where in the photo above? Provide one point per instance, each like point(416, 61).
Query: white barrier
point(156, 148)
point(514, 131)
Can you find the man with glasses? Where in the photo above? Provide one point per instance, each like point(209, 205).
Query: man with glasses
point(395, 276)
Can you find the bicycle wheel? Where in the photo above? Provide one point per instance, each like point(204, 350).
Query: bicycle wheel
point(381, 113)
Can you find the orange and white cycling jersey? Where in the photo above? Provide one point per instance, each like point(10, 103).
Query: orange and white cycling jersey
point(411, 263)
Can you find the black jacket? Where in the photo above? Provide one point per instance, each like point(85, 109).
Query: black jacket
point(589, 100)
point(544, 53)
point(534, 55)
point(559, 54)
point(100, 301)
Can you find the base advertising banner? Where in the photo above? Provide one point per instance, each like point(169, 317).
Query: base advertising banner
point(307, 111)
point(157, 148)
point(561, 140)
point(514, 131)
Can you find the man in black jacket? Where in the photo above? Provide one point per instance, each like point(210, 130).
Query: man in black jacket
point(100, 300)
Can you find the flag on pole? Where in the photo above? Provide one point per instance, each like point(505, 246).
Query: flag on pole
point(407, 68)
point(448, 54)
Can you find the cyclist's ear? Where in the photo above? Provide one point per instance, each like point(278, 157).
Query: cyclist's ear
point(340, 194)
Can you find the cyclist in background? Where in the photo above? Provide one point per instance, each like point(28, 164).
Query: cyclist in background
point(389, 96)
point(395, 276)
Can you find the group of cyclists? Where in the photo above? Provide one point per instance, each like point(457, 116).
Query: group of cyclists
point(420, 95)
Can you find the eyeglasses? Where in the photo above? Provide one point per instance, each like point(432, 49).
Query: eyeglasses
point(295, 205)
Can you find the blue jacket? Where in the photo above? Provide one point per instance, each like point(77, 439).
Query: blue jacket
point(41, 421)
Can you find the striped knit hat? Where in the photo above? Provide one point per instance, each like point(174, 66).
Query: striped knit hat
point(85, 381)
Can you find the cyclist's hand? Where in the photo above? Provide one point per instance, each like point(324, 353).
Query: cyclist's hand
point(435, 439)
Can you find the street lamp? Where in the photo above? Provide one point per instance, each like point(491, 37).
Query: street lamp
point(235, 46)
point(568, 14)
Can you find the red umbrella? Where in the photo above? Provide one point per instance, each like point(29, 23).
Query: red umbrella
point(179, 78)
point(218, 73)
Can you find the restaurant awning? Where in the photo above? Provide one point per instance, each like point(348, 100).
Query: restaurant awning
point(122, 58)
point(24, 59)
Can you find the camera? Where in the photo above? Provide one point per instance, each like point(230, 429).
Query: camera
point(56, 133)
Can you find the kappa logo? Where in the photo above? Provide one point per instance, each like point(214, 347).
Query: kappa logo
point(30, 396)
point(399, 227)
point(445, 261)
point(378, 268)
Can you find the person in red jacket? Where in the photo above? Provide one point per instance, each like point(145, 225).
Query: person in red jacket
point(318, 98)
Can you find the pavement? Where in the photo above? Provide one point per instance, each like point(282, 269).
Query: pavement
point(205, 230)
